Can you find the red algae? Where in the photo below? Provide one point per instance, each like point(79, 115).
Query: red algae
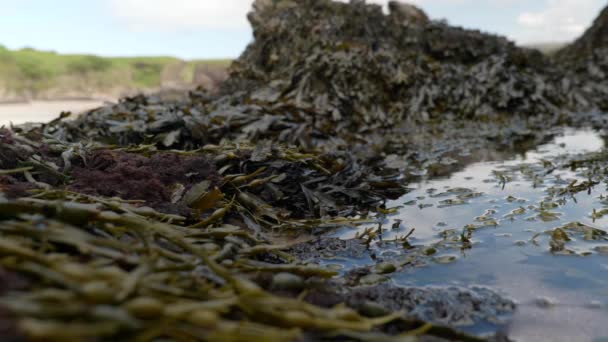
point(135, 177)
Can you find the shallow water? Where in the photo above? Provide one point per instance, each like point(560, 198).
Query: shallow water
point(507, 207)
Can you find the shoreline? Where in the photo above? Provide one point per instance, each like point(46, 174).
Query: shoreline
point(52, 100)
point(17, 113)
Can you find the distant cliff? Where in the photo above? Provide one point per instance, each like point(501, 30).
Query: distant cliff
point(29, 74)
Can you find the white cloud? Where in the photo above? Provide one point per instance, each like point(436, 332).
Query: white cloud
point(176, 15)
point(559, 20)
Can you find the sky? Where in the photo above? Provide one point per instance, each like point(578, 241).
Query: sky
point(193, 29)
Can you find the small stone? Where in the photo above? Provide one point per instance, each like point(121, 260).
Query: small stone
point(430, 251)
point(601, 249)
point(335, 267)
point(372, 279)
point(544, 302)
point(446, 259)
point(287, 281)
point(372, 309)
point(385, 268)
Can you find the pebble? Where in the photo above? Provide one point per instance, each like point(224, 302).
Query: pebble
point(385, 268)
point(287, 281)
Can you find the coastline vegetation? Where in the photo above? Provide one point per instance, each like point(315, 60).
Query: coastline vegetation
point(29, 73)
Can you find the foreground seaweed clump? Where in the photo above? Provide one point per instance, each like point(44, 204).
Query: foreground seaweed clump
point(103, 267)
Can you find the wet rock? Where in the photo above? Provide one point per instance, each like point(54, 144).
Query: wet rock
point(445, 306)
point(544, 302)
point(430, 251)
point(446, 259)
point(385, 268)
point(372, 309)
point(362, 69)
point(328, 248)
point(372, 279)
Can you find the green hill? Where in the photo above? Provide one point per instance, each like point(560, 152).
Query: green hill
point(32, 74)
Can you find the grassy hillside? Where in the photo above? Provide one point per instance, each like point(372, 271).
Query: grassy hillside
point(31, 74)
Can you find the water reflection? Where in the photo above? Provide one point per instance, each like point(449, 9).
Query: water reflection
point(512, 207)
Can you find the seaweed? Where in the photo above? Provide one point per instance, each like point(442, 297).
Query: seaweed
point(204, 217)
point(102, 270)
point(133, 176)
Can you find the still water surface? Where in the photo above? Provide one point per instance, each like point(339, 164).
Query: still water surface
point(560, 297)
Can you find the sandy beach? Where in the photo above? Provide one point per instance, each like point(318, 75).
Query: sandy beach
point(41, 111)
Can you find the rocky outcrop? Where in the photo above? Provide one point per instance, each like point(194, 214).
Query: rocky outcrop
point(321, 71)
point(358, 68)
point(589, 46)
point(587, 60)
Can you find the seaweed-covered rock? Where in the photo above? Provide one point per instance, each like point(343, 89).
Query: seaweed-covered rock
point(587, 58)
point(329, 75)
point(356, 68)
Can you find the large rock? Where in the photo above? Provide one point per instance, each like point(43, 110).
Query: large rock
point(356, 68)
point(587, 59)
point(589, 46)
point(333, 75)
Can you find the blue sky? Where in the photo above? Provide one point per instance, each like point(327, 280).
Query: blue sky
point(218, 29)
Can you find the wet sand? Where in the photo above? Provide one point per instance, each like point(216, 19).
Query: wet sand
point(41, 111)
